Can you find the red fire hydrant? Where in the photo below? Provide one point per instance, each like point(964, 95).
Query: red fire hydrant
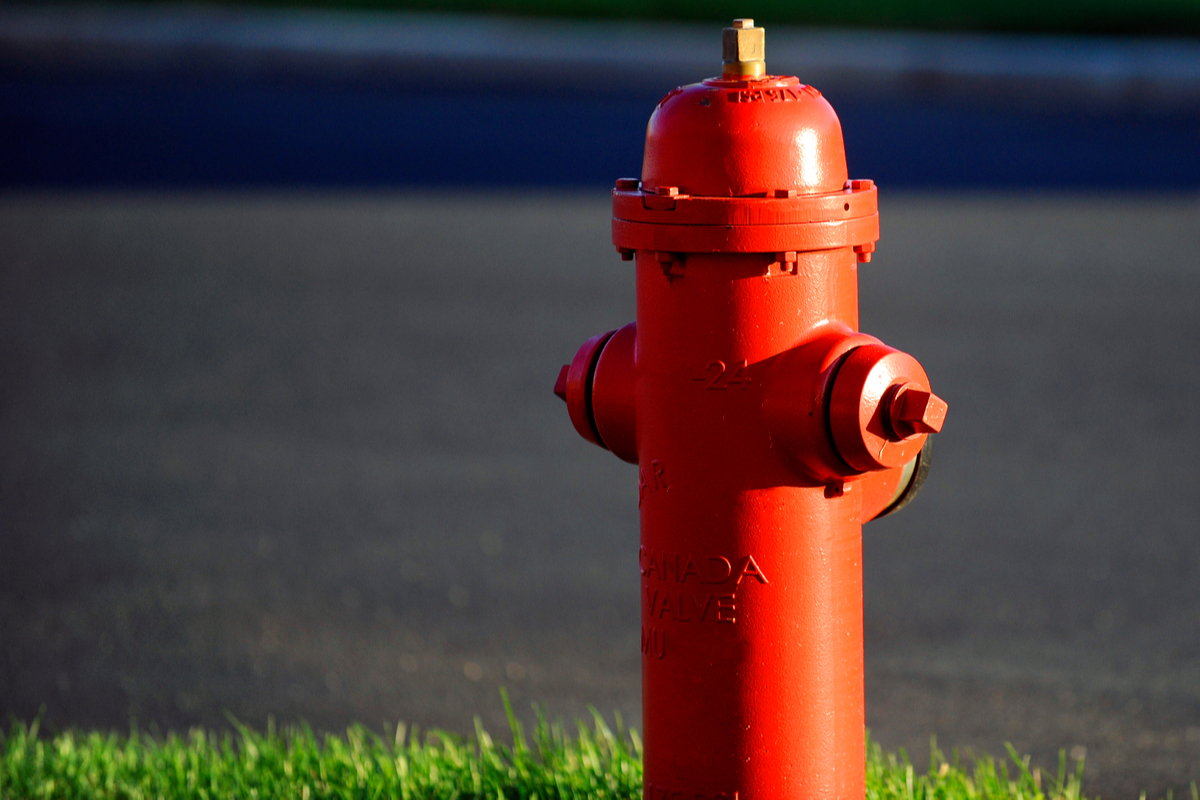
point(766, 430)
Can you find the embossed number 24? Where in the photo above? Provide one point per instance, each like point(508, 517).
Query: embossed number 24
point(719, 377)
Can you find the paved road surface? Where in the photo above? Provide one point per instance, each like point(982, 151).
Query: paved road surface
point(299, 455)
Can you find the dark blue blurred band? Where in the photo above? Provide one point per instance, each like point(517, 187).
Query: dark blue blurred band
point(124, 99)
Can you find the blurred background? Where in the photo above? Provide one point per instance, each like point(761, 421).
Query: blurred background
point(285, 290)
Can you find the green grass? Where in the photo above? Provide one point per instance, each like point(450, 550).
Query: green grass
point(595, 761)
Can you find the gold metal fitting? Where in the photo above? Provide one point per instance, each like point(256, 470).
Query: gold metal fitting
point(744, 50)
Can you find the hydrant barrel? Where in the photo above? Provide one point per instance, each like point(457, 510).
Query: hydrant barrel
point(766, 429)
point(751, 580)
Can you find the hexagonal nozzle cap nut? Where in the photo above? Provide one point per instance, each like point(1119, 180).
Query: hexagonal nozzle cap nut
point(865, 407)
point(916, 410)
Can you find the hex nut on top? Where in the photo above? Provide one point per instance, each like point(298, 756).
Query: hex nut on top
point(744, 50)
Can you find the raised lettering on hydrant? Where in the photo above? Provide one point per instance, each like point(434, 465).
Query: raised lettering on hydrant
point(766, 430)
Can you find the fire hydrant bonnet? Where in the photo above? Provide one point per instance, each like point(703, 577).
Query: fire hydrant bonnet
point(738, 138)
point(748, 165)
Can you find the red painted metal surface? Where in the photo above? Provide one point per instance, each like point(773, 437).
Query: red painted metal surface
point(766, 430)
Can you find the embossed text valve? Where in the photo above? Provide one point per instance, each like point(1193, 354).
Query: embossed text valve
point(766, 430)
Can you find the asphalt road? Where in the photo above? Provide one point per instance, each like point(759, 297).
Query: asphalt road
point(298, 455)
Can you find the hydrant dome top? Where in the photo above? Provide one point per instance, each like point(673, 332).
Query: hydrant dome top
point(744, 135)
